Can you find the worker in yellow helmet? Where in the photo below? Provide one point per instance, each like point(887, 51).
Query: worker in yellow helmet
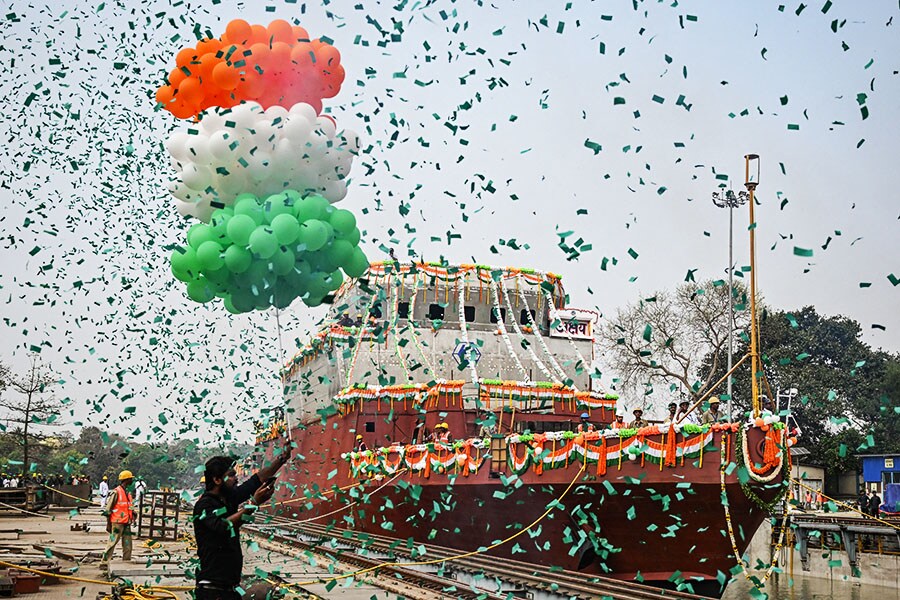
point(442, 432)
point(360, 444)
point(119, 511)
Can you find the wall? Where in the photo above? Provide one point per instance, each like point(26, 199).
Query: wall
point(875, 569)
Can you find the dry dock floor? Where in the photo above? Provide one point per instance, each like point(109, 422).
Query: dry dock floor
point(52, 538)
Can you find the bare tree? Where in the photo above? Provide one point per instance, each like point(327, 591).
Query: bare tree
point(665, 338)
point(31, 406)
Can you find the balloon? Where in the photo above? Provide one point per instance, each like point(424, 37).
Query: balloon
point(277, 65)
point(199, 290)
point(242, 300)
point(313, 235)
point(263, 242)
point(281, 31)
point(209, 256)
point(282, 261)
point(184, 264)
point(352, 237)
point(248, 150)
point(237, 259)
point(357, 265)
point(275, 205)
point(225, 76)
point(184, 57)
point(311, 207)
point(339, 252)
point(286, 228)
point(239, 229)
point(334, 280)
point(200, 233)
point(343, 221)
point(247, 204)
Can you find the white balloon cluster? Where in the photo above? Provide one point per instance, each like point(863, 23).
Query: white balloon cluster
point(246, 149)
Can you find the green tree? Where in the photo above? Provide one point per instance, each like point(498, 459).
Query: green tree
point(30, 406)
point(848, 392)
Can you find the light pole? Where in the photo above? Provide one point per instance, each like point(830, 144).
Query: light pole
point(728, 199)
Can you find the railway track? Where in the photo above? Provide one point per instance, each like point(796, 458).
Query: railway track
point(478, 576)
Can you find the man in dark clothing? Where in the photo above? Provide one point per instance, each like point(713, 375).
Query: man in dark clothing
point(863, 502)
point(218, 518)
point(874, 504)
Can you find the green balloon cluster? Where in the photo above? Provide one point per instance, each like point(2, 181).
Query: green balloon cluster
point(269, 252)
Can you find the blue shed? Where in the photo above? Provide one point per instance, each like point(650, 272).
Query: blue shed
point(879, 470)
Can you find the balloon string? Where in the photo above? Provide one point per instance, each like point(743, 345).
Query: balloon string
point(287, 414)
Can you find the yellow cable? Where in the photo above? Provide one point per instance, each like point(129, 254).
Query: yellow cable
point(165, 588)
point(449, 558)
point(70, 495)
point(27, 512)
point(851, 507)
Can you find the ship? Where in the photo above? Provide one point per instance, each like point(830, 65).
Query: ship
point(497, 358)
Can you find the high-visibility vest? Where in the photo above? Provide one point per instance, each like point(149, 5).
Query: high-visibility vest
point(444, 437)
point(122, 513)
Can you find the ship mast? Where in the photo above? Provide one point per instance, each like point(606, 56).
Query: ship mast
point(754, 324)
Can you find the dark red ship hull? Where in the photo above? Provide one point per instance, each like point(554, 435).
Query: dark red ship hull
point(636, 521)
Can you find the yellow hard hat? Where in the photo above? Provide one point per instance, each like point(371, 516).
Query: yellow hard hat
point(359, 437)
point(126, 474)
point(445, 426)
point(104, 478)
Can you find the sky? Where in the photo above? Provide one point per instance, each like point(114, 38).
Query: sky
point(487, 130)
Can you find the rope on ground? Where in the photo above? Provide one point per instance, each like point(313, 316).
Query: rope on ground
point(148, 591)
point(434, 561)
point(845, 505)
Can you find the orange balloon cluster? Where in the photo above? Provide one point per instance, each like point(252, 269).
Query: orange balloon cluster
point(274, 65)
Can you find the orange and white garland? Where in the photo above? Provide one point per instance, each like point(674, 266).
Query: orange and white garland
point(462, 457)
point(562, 448)
point(773, 452)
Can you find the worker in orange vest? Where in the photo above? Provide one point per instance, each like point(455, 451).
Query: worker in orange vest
point(119, 512)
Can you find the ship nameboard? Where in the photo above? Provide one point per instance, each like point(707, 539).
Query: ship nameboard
point(574, 323)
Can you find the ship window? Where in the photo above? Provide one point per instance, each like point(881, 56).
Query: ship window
point(370, 426)
point(523, 318)
point(498, 454)
point(435, 311)
point(403, 310)
point(470, 313)
point(494, 315)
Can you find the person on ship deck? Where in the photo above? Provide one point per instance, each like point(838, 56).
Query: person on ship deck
point(711, 415)
point(671, 417)
point(442, 433)
point(638, 421)
point(360, 444)
point(684, 413)
point(585, 424)
point(619, 423)
point(488, 424)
